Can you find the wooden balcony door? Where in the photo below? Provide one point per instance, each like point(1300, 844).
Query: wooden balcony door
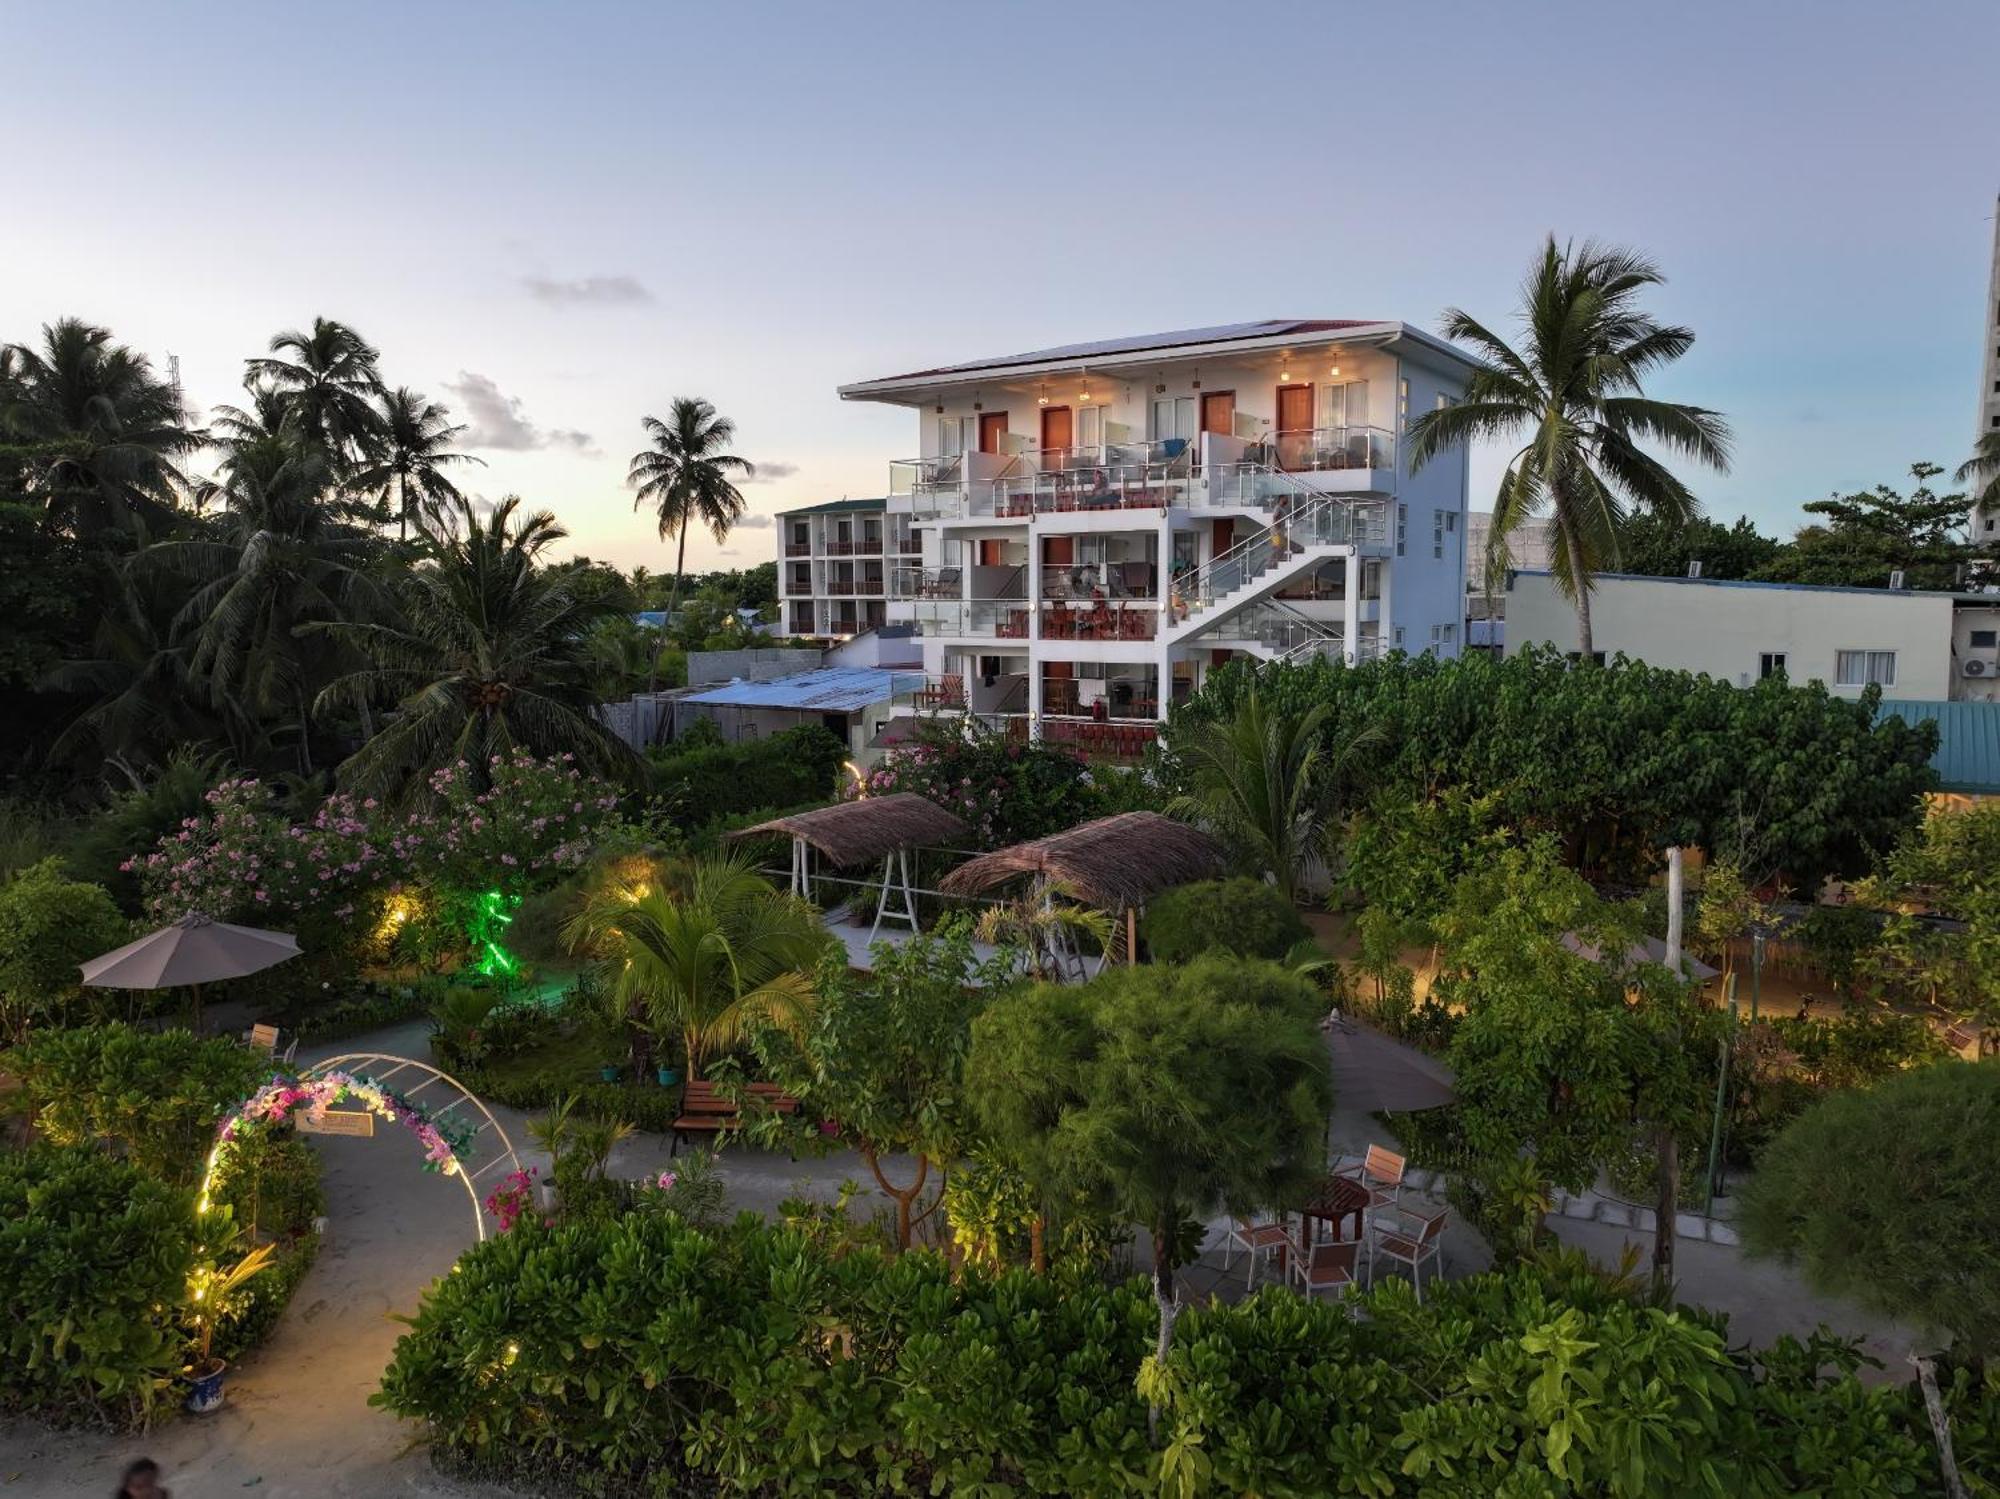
point(1058, 434)
point(1295, 419)
point(992, 430)
point(1218, 412)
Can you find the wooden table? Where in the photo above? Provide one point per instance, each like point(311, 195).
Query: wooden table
point(1335, 1199)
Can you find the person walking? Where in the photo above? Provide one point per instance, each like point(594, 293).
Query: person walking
point(141, 1481)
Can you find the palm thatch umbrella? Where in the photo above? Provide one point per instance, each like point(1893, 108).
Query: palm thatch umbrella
point(192, 951)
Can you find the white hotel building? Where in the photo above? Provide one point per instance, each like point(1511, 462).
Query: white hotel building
point(1100, 524)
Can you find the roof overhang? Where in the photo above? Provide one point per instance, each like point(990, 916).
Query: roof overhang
point(916, 389)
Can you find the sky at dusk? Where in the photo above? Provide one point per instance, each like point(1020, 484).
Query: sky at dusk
point(556, 218)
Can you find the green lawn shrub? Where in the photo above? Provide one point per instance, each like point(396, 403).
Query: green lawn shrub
point(640, 1355)
point(91, 1250)
point(153, 1097)
point(1243, 916)
point(49, 926)
point(708, 781)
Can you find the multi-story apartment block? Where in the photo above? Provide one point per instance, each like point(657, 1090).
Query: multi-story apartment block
point(834, 562)
point(1986, 520)
point(1101, 524)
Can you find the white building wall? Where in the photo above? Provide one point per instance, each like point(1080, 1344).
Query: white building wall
point(1724, 629)
point(1975, 636)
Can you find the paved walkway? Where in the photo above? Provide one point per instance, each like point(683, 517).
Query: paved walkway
point(298, 1425)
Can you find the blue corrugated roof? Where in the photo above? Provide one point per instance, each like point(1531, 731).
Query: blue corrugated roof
point(1968, 756)
point(830, 689)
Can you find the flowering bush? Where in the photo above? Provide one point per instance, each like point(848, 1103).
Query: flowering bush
point(514, 1199)
point(1005, 792)
point(245, 860)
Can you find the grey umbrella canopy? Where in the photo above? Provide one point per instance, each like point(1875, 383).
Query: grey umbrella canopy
point(1379, 1075)
point(194, 950)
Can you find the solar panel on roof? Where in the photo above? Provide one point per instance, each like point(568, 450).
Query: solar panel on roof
point(1219, 333)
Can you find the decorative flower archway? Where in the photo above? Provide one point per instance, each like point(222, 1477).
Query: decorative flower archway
point(446, 1134)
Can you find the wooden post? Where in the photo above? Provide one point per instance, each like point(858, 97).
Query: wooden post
point(1954, 1485)
point(1131, 935)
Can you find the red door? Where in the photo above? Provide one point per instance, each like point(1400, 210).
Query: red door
point(1218, 412)
point(1058, 432)
point(1295, 419)
point(992, 428)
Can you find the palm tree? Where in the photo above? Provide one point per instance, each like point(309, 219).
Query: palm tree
point(1983, 469)
point(488, 651)
point(406, 475)
point(706, 950)
point(1268, 782)
point(277, 560)
point(330, 383)
point(98, 437)
point(685, 476)
point(1052, 929)
point(1575, 391)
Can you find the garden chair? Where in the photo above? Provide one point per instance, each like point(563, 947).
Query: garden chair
point(1253, 1239)
point(1381, 1172)
point(1329, 1266)
point(1410, 1239)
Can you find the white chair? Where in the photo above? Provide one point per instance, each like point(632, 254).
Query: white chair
point(1329, 1266)
point(1381, 1172)
point(1410, 1239)
point(1253, 1239)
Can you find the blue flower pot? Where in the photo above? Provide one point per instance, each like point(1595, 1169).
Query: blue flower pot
point(669, 1076)
point(205, 1390)
point(609, 1074)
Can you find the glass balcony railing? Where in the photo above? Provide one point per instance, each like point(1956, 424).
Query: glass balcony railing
point(996, 619)
point(1319, 449)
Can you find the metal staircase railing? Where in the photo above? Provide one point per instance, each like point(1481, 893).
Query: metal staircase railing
point(1306, 520)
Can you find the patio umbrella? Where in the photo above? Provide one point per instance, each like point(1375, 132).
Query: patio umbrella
point(193, 951)
point(1379, 1075)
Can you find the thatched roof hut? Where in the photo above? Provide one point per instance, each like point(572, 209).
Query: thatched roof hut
point(860, 832)
point(1112, 863)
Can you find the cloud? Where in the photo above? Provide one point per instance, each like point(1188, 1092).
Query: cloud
point(496, 420)
point(771, 473)
point(754, 522)
point(587, 291)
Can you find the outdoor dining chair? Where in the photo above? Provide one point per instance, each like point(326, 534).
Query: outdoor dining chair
point(1381, 1172)
point(1410, 1239)
point(1253, 1239)
point(1329, 1266)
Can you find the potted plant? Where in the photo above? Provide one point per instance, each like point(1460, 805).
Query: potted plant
point(609, 1072)
point(211, 1291)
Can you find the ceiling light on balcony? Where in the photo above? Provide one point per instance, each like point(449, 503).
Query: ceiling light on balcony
point(1335, 371)
point(1083, 395)
point(1284, 377)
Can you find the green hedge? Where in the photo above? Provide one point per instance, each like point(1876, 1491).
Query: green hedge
point(91, 1249)
point(154, 1096)
point(718, 780)
point(1246, 917)
point(643, 1356)
point(49, 925)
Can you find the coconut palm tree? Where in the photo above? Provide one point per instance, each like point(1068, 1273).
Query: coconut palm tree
point(406, 475)
point(1268, 781)
point(705, 951)
point(686, 477)
point(487, 650)
point(1982, 469)
point(330, 383)
point(1574, 390)
point(98, 437)
point(274, 561)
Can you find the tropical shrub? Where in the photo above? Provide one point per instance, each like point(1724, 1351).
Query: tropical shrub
point(94, 1254)
point(1618, 763)
point(49, 926)
point(152, 1096)
point(700, 781)
point(642, 1355)
point(1005, 792)
point(1891, 1195)
point(1243, 916)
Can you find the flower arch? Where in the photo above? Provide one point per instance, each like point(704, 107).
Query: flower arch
point(446, 1134)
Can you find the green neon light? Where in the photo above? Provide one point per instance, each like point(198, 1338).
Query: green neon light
point(492, 911)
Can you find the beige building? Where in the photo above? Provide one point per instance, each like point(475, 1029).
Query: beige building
point(1914, 645)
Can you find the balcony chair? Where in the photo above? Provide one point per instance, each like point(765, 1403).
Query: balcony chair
point(1411, 1239)
point(1253, 1239)
point(943, 584)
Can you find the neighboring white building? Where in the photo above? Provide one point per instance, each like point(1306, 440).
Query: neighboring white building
point(833, 565)
point(1101, 523)
point(1915, 645)
point(1529, 546)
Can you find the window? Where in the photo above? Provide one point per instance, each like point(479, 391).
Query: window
point(1172, 416)
point(1437, 534)
point(1402, 527)
point(1443, 638)
point(1397, 637)
point(1863, 668)
point(1770, 664)
point(1344, 404)
point(1090, 428)
point(1402, 405)
point(1981, 640)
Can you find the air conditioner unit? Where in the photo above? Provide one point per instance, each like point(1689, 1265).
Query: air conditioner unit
point(1977, 666)
point(1896, 578)
point(1694, 569)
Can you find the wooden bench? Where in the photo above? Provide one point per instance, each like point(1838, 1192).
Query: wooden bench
point(707, 1110)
